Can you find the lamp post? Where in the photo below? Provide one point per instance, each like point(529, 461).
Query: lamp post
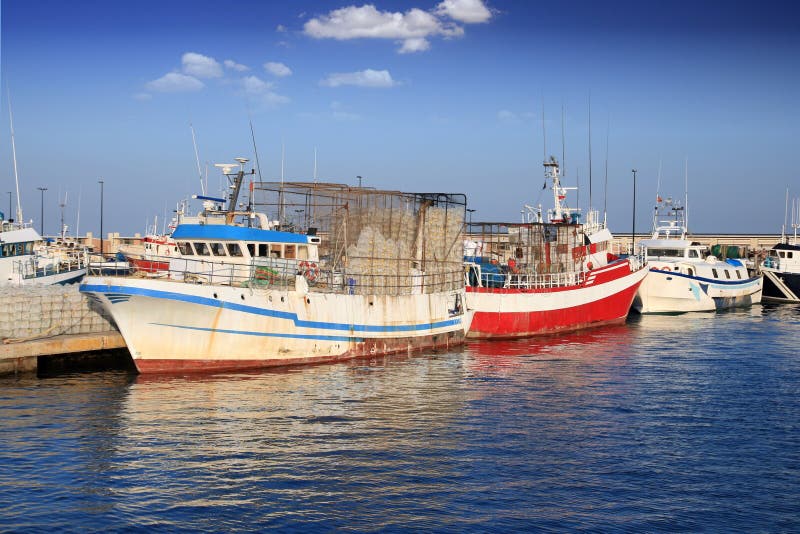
point(41, 228)
point(633, 226)
point(101, 218)
point(359, 181)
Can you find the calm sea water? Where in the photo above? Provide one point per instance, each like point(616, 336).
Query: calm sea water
point(687, 423)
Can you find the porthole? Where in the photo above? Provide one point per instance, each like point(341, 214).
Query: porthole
point(242, 297)
point(215, 295)
point(308, 300)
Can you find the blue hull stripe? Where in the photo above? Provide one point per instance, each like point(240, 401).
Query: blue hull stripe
point(118, 291)
point(743, 283)
point(264, 334)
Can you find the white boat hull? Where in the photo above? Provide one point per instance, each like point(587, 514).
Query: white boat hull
point(172, 326)
point(673, 292)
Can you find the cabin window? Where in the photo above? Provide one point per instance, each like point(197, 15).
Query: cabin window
point(234, 250)
point(289, 252)
point(690, 271)
point(263, 250)
point(201, 248)
point(789, 255)
point(276, 251)
point(29, 247)
point(302, 252)
point(739, 275)
point(665, 252)
point(185, 248)
point(727, 274)
point(782, 254)
point(251, 248)
point(693, 253)
point(20, 250)
point(714, 272)
point(217, 249)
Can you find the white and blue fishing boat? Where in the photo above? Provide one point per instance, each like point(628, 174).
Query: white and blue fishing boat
point(333, 273)
point(683, 276)
point(24, 260)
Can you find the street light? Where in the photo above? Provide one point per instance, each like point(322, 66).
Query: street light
point(633, 226)
point(359, 181)
point(41, 228)
point(101, 218)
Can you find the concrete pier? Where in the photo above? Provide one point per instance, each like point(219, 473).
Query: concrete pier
point(24, 357)
point(49, 321)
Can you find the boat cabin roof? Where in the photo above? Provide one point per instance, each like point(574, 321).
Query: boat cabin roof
point(239, 233)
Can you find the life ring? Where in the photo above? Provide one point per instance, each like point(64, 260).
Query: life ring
point(589, 266)
point(310, 270)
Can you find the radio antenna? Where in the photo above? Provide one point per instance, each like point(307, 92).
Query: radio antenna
point(197, 159)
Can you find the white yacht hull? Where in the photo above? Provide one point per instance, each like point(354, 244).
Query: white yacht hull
point(173, 326)
point(674, 292)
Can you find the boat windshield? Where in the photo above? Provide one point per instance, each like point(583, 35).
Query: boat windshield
point(665, 252)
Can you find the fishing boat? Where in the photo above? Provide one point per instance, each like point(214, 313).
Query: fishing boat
point(25, 260)
point(535, 277)
point(684, 277)
point(332, 273)
point(781, 267)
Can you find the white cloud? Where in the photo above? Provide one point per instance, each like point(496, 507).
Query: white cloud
point(238, 67)
point(274, 99)
point(174, 82)
point(277, 69)
point(281, 28)
point(201, 66)
point(414, 45)
point(364, 78)
point(142, 96)
point(368, 22)
point(467, 11)
point(255, 85)
point(507, 116)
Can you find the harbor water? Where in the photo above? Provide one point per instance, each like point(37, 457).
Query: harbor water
point(667, 423)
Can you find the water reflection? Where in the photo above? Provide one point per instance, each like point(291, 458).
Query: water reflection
point(629, 427)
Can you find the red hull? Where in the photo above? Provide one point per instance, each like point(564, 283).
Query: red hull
point(367, 349)
point(149, 266)
point(610, 309)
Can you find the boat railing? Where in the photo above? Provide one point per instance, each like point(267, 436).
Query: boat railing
point(284, 274)
point(545, 280)
point(51, 262)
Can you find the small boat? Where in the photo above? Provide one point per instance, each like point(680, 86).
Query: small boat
point(117, 264)
point(334, 273)
point(26, 260)
point(153, 255)
point(684, 277)
point(781, 267)
point(531, 278)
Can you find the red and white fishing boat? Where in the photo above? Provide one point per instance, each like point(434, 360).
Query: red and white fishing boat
point(153, 255)
point(536, 277)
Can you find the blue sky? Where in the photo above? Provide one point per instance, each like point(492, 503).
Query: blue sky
point(420, 96)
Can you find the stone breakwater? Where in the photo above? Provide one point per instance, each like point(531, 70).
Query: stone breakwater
point(34, 312)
